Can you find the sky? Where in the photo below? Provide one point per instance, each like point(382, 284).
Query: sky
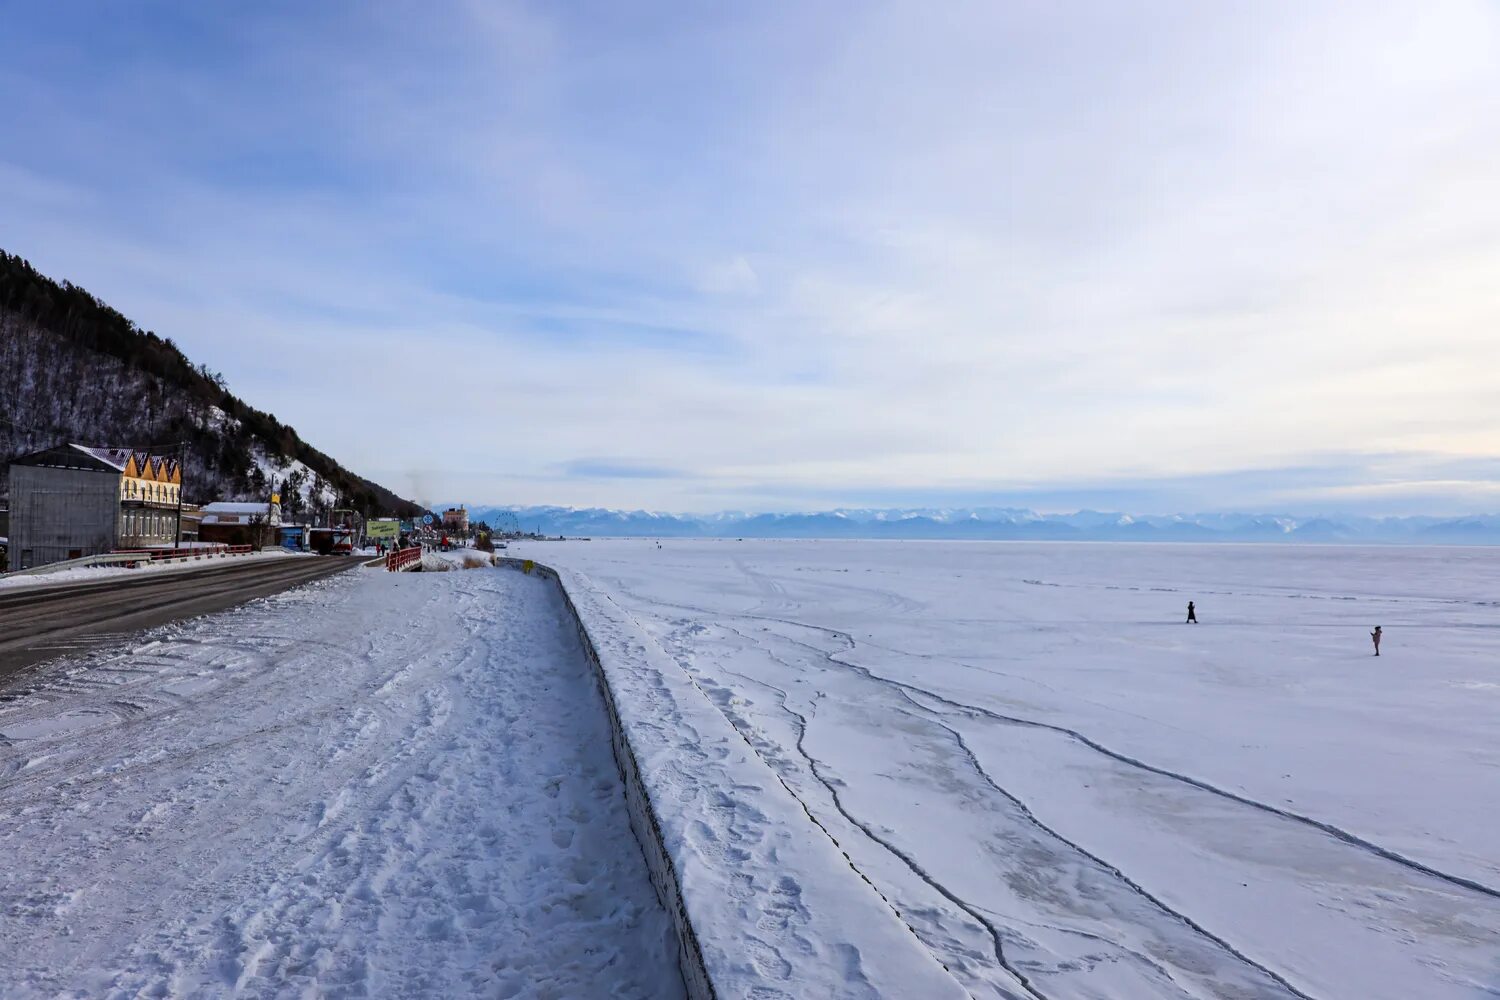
point(779, 256)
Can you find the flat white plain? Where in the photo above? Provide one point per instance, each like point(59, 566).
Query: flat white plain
point(1067, 791)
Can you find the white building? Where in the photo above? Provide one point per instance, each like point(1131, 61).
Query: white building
point(240, 523)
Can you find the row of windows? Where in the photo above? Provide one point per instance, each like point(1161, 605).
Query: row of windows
point(151, 492)
point(149, 524)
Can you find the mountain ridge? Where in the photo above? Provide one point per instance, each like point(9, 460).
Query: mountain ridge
point(999, 524)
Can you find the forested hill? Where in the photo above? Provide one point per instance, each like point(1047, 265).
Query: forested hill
point(74, 369)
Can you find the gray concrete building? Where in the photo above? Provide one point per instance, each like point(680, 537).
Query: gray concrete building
point(75, 500)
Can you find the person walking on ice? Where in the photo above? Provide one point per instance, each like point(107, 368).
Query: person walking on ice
point(1192, 614)
point(1375, 637)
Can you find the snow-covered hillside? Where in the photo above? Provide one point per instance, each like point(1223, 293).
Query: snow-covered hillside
point(73, 369)
point(1068, 792)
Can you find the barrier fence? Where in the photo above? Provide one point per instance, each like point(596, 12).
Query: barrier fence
point(405, 559)
point(179, 555)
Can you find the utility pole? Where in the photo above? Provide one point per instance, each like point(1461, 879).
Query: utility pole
point(182, 475)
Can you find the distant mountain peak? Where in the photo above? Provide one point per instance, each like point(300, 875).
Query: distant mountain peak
point(991, 523)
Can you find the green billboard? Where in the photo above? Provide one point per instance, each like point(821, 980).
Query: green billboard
point(385, 529)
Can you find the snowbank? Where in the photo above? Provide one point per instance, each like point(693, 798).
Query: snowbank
point(766, 903)
point(92, 574)
point(442, 562)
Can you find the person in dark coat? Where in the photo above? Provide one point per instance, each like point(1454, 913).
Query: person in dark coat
point(1375, 637)
point(1192, 614)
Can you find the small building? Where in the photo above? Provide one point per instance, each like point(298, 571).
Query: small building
point(231, 523)
point(293, 537)
point(456, 519)
point(76, 500)
point(331, 541)
point(192, 517)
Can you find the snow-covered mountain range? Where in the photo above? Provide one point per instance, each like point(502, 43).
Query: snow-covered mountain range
point(998, 523)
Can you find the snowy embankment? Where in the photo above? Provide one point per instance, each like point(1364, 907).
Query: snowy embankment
point(1062, 789)
point(437, 561)
point(767, 905)
point(95, 574)
point(377, 785)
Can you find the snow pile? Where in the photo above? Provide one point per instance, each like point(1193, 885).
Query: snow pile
point(377, 785)
point(774, 907)
point(1063, 789)
point(442, 562)
point(95, 574)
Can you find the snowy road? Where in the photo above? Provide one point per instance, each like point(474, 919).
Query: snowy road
point(44, 619)
point(1066, 792)
point(376, 785)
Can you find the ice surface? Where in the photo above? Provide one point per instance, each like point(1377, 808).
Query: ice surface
point(1056, 781)
point(777, 911)
point(380, 784)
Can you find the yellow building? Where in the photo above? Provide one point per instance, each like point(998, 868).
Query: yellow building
point(76, 500)
point(150, 486)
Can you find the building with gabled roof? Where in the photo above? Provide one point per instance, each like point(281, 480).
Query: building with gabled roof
point(240, 523)
point(76, 500)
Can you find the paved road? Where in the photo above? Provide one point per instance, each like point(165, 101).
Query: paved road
point(43, 623)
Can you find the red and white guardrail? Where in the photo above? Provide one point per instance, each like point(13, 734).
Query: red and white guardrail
point(402, 560)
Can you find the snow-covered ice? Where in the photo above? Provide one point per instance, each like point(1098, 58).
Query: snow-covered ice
point(376, 785)
point(1065, 791)
point(774, 909)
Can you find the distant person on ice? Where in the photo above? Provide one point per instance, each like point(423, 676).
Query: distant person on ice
point(1192, 614)
point(1375, 637)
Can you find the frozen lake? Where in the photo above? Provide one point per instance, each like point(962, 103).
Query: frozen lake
point(1066, 791)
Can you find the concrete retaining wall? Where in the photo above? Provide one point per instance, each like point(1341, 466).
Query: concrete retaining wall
point(764, 902)
point(643, 819)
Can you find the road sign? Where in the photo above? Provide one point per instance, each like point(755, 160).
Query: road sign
point(426, 518)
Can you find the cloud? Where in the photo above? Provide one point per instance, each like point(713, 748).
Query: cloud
point(731, 277)
point(790, 253)
point(600, 468)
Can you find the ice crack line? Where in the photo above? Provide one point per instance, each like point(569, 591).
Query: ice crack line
point(815, 767)
point(1134, 886)
point(1338, 833)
